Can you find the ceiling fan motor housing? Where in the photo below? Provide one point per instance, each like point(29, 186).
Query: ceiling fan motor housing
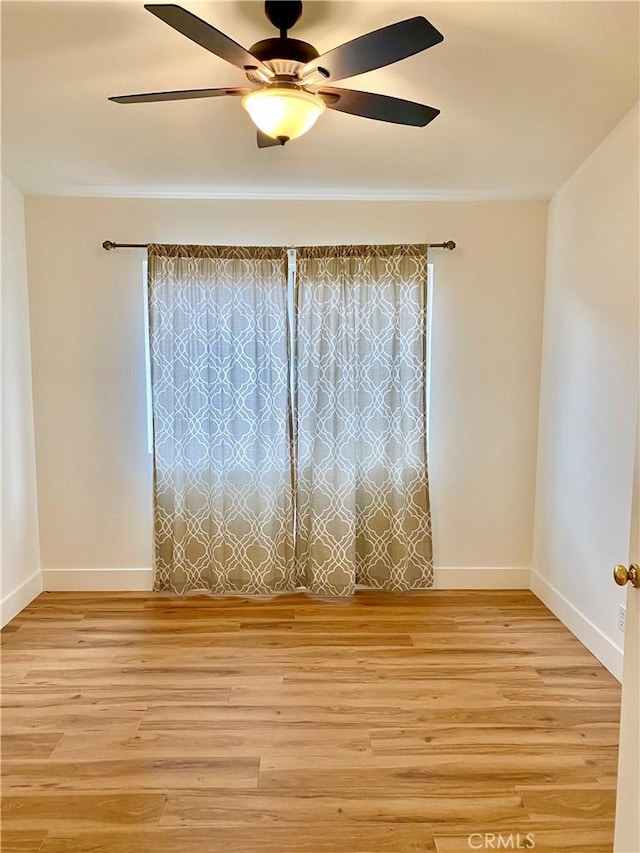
point(283, 55)
point(278, 48)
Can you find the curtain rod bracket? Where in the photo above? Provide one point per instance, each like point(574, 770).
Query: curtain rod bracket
point(108, 245)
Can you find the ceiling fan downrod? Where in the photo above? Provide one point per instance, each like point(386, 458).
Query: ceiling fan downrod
point(283, 14)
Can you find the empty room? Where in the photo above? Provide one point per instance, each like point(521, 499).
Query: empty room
point(320, 426)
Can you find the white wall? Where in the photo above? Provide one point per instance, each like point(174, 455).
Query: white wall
point(88, 357)
point(20, 567)
point(589, 392)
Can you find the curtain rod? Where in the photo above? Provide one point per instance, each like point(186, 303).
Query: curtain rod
point(108, 245)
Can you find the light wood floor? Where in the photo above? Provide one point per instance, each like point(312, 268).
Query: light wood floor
point(135, 723)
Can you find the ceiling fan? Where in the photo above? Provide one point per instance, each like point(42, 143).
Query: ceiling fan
point(292, 75)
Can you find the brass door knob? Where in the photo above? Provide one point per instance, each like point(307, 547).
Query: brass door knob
point(623, 575)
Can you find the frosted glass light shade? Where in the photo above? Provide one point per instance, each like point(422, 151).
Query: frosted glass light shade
point(283, 113)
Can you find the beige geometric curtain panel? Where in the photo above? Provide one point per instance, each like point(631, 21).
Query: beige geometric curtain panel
point(363, 512)
point(219, 339)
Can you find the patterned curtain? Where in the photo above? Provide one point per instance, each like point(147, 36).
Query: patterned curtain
point(223, 512)
point(362, 490)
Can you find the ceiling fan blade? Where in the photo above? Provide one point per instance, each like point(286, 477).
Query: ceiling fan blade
point(183, 95)
point(265, 141)
point(378, 107)
point(206, 36)
point(374, 50)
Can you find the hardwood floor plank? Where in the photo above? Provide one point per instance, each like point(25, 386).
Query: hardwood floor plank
point(239, 718)
point(260, 808)
point(141, 774)
point(247, 743)
point(495, 740)
point(327, 672)
point(22, 745)
point(37, 699)
point(425, 780)
point(129, 696)
point(217, 667)
point(148, 677)
point(85, 719)
point(583, 697)
point(295, 838)
point(580, 674)
point(338, 625)
point(358, 695)
point(21, 840)
point(506, 641)
point(514, 768)
point(65, 811)
point(50, 658)
point(568, 803)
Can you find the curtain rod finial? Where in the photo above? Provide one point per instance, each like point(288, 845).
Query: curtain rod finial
point(108, 245)
point(450, 245)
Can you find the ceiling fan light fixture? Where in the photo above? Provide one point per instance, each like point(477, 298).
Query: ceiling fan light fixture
point(283, 112)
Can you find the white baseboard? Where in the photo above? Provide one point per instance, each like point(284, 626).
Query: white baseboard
point(141, 580)
point(607, 652)
point(481, 577)
point(97, 580)
point(15, 601)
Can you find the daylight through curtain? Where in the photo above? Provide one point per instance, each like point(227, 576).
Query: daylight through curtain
point(363, 512)
point(223, 509)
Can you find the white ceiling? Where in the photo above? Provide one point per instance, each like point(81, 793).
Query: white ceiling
point(527, 90)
